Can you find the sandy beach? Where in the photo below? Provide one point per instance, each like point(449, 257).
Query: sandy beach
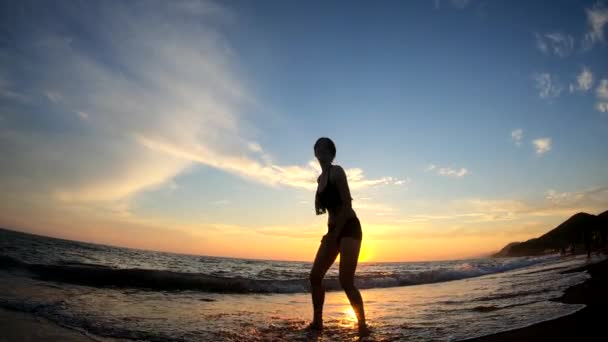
point(21, 326)
point(584, 325)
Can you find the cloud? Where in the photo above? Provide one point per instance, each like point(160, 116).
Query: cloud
point(8, 92)
point(403, 181)
point(165, 98)
point(597, 17)
point(255, 147)
point(459, 4)
point(83, 115)
point(602, 90)
point(596, 198)
point(601, 93)
point(517, 135)
point(53, 96)
point(479, 210)
point(555, 43)
point(584, 81)
point(448, 171)
point(542, 145)
point(548, 86)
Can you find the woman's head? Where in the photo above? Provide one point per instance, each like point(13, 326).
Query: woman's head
point(325, 150)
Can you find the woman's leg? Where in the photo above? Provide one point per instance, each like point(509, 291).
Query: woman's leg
point(326, 255)
point(349, 255)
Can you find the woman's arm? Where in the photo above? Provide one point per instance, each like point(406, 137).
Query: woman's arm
point(344, 211)
point(318, 209)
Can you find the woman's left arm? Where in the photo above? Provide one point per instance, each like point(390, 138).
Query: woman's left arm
point(343, 212)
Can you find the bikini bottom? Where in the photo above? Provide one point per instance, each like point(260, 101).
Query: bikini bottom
point(352, 228)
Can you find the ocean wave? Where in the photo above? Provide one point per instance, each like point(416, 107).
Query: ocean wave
point(104, 276)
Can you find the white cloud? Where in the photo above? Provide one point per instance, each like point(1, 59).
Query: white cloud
point(584, 81)
point(83, 115)
point(7, 91)
point(555, 43)
point(517, 135)
point(448, 171)
point(403, 181)
point(459, 4)
point(254, 147)
point(602, 90)
point(179, 105)
point(597, 18)
point(601, 93)
point(542, 145)
point(548, 86)
point(555, 197)
point(53, 96)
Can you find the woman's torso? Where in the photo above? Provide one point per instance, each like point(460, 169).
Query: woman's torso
point(330, 196)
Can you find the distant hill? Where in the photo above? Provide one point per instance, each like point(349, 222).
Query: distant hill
point(570, 231)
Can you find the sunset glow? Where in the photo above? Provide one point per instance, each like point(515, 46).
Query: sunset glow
point(190, 128)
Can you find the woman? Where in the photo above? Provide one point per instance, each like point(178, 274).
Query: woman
point(344, 236)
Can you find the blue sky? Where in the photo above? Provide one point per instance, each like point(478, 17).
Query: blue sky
point(192, 123)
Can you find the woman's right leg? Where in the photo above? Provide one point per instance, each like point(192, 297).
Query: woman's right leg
point(326, 255)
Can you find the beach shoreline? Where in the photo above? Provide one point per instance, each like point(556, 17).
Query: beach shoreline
point(584, 324)
point(24, 326)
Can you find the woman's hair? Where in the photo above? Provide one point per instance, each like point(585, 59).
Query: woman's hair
point(332, 146)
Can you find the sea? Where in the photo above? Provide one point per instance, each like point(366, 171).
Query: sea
point(116, 293)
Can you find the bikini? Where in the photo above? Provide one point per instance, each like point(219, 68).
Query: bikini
point(330, 198)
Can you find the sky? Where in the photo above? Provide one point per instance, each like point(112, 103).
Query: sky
point(188, 126)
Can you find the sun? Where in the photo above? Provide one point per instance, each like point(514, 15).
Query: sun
point(365, 254)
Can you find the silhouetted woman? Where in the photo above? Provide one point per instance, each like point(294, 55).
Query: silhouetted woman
point(343, 236)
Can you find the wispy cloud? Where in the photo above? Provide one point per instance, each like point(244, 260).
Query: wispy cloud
point(584, 81)
point(459, 4)
point(548, 86)
point(163, 99)
point(262, 172)
point(556, 203)
point(448, 171)
point(555, 43)
point(82, 115)
point(601, 93)
point(602, 90)
point(542, 145)
point(53, 96)
point(597, 18)
point(517, 135)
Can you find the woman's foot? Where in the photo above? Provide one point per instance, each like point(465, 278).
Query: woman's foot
point(314, 326)
point(364, 329)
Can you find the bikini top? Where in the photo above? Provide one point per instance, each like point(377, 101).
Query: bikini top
point(330, 196)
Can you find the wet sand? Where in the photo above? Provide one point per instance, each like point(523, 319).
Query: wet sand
point(21, 326)
point(588, 324)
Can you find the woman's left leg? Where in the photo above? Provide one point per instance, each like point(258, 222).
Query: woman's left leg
point(349, 255)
